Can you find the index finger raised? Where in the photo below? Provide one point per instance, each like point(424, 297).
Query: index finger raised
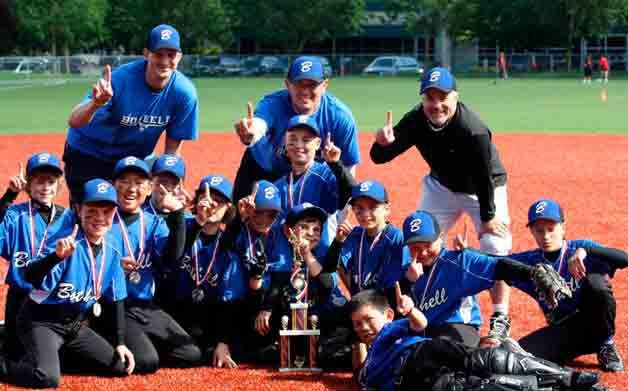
point(389, 118)
point(398, 293)
point(207, 192)
point(21, 172)
point(249, 111)
point(74, 232)
point(108, 73)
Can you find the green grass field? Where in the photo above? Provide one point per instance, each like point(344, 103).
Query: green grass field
point(35, 104)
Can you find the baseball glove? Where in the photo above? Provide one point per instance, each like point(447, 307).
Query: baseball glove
point(256, 263)
point(549, 284)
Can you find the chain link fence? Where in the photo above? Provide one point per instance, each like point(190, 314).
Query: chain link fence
point(478, 62)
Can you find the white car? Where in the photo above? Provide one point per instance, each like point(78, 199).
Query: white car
point(393, 65)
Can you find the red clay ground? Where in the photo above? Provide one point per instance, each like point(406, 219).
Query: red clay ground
point(586, 173)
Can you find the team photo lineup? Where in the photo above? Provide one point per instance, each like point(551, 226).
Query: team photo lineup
point(294, 264)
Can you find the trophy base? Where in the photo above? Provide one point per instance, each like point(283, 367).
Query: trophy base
point(288, 370)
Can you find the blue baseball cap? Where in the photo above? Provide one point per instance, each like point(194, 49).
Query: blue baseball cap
point(304, 210)
point(267, 197)
point(307, 68)
point(163, 37)
point(99, 190)
point(439, 78)
point(168, 163)
point(371, 189)
point(43, 160)
point(217, 183)
point(420, 226)
point(545, 209)
point(130, 163)
point(304, 121)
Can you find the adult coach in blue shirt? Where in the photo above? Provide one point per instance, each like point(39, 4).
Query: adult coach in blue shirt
point(125, 112)
point(305, 94)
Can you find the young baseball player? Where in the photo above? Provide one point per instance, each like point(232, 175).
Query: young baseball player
point(584, 323)
point(209, 282)
point(167, 171)
point(152, 335)
point(372, 255)
point(299, 239)
point(400, 357)
point(588, 70)
point(70, 282)
point(446, 281)
point(326, 185)
point(26, 228)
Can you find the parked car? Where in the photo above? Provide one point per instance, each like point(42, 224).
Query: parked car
point(229, 66)
point(206, 66)
point(32, 65)
point(393, 65)
point(264, 65)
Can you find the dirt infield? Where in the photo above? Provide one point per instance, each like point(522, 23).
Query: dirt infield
point(586, 173)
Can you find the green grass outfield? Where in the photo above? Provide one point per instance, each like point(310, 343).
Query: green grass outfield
point(42, 104)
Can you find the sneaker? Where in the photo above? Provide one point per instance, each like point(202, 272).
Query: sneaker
point(609, 358)
point(513, 346)
point(499, 325)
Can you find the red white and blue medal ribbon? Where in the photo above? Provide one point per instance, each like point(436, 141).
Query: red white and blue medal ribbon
point(290, 189)
point(33, 236)
point(360, 253)
point(199, 281)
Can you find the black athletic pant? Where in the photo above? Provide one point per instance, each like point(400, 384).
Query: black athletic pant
point(457, 332)
point(248, 173)
point(156, 338)
point(16, 298)
point(582, 332)
point(80, 168)
point(44, 332)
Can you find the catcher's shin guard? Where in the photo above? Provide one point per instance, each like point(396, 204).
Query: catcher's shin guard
point(496, 361)
point(459, 382)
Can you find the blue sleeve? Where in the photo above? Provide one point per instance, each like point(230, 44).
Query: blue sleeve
point(158, 236)
point(185, 124)
point(348, 140)
point(233, 283)
point(479, 272)
point(346, 254)
point(263, 153)
point(265, 110)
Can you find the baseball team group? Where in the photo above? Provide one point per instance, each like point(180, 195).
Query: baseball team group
point(138, 273)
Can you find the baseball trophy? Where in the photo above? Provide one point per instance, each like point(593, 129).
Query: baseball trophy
point(297, 356)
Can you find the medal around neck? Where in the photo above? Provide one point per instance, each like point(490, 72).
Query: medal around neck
point(97, 309)
point(135, 277)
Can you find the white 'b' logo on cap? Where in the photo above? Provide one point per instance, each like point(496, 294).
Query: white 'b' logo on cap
point(171, 161)
point(365, 186)
point(306, 66)
point(540, 207)
point(415, 225)
point(434, 76)
point(215, 181)
point(269, 193)
point(166, 34)
point(44, 157)
point(102, 187)
point(130, 161)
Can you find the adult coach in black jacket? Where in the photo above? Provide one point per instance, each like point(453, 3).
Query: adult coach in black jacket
point(466, 174)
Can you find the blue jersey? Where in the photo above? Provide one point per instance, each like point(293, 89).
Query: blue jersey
point(71, 282)
point(218, 272)
point(317, 185)
point(445, 292)
point(22, 223)
point(146, 253)
point(566, 306)
point(132, 121)
point(374, 263)
point(332, 116)
point(281, 261)
point(391, 346)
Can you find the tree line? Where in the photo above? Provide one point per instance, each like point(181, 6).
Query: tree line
point(60, 27)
